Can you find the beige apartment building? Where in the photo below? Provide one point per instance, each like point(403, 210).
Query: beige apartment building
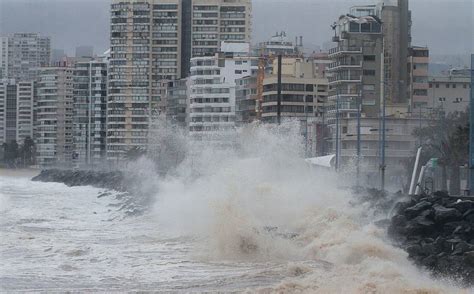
point(54, 116)
point(145, 48)
point(418, 61)
point(303, 91)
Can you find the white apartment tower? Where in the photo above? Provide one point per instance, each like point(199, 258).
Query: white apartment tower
point(90, 107)
point(211, 104)
point(16, 111)
point(22, 54)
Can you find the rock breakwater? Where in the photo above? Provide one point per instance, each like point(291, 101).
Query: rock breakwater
point(113, 180)
point(134, 196)
point(438, 234)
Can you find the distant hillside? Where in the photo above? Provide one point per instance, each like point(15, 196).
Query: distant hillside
point(441, 64)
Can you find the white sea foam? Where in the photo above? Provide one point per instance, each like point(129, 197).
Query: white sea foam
point(251, 217)
point(261, 202)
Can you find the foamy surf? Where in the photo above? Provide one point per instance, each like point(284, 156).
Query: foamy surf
point(266, 184)
point(249, 218)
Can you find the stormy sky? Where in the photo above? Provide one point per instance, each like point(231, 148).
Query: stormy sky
point(446, 26)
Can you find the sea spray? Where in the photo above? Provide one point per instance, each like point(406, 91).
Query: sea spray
point(259, 201)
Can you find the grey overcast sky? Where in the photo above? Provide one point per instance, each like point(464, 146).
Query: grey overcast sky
point(446, 26)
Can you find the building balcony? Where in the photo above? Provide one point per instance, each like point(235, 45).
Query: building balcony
point(343, 92)
point(422, 72)
point(346, 79)
point(343, 107)
point(422, 86)
point(343, 65)
point(420, 59)
point(344, 50)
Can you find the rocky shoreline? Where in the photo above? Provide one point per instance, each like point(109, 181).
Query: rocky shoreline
point(435, 230)
point(135, 199)
point(113, 180)
point(438, 234)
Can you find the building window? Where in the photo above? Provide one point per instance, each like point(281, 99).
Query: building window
point(420, 92)
point(442, 99)
point(454, 86)
point(369, 57)
point(431, 85)
point(437, 85)
point(354, 27)
point(447, 86)
point(465, 86)
point(369, 72)
point(365, 27)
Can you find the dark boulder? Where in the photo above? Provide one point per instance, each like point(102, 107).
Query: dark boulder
point(437, 233)
point(415, 210)
point(420, 225)
point(443, 214)
point(462, 206)
point(414, 250)
point(469, 257)
point(469, 216)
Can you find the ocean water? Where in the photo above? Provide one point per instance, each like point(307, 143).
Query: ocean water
point(253, 220)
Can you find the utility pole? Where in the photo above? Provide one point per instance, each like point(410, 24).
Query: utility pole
point(382, 121)
point(89, 128)
point(323, 131)
point(471, 131)
point(337, 129)
point(383, 146)
point(279, 90)
point(306, 128)
point(359, 110)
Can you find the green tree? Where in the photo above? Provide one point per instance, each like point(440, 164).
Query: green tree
point(10, 153)
point(448, 140)
point(27, 152)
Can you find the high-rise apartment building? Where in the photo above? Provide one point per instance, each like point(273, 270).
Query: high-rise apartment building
point(145, 42)
point(16, 111)
point(214, 21)
point(22, 54)
point(374, 78)
point(356, 70)
point(418, 61)
point(212, 91)
point(54, 116)
point(90, 108)
point(246, 98)
point(176, 101)
point(152, 42)
point(302, 91)
point(396, 31)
